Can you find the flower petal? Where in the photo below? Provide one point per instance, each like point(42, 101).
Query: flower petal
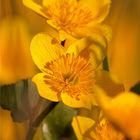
point(92, 29)
point(44, 90)
point(92, 48)
point(99, 8)
point(81, 125)
point(44, 49)
point(108, 83)
point(85, 101)
point(100, 29)
point(34, 6)
point(50, 2)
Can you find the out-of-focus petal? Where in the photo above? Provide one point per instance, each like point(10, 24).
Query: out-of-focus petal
point(15, 58)
point(123, 111)
point(45, 90)
point(35, 7)
point(124, 48)
point(108, 83)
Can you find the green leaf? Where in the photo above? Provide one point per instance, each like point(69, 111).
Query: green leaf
point(19, 98)
point(8, 97)
point(105, 64)
point(57, 125)
point(136, 88)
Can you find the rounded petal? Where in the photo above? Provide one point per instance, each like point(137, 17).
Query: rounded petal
point(35, 7)
point(92, 48)
point(84, 101)
point(44, 90)
point(108, 83)
point(81, 125)
point(99, 8)
point(44, 49)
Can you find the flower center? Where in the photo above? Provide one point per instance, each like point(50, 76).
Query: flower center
point(105, 131)
point(71, 75)
point(68, 15)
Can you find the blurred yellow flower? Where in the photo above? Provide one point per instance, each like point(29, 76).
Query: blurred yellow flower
point(15, 59)
point(123, 111)
point(75, 17)
point(124, 48)
point(69, 73)
point(10, 130)
point(87, 129)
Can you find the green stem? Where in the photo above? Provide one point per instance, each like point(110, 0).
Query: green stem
point(35, 123)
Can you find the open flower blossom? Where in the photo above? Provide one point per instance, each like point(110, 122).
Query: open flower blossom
point(87, 129)
point(123, 111)
point(75, 17)
point(69, 74)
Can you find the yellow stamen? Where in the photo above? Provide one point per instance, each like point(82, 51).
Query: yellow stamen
point(105, 131)
point(71, 75)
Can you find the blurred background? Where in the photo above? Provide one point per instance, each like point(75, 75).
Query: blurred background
point(18, 25)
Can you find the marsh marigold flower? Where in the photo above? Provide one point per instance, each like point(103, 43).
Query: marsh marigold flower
point(69, 73)
point(92, 124)
point(75, 17)
point(123, 111)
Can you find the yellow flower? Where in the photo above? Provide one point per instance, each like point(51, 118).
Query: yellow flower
point(123, 111)
point(124, 48)
point(87, 129)
point(75, 17)
point(15, 59)
point(69, 74)
point(10, 130)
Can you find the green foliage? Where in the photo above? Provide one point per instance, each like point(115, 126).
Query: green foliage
point(57, 125)
point(17, 99)
point(136, 88)
point(105, 64)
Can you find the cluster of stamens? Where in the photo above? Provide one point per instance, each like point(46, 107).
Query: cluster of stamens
point(71, 75)
point(106, 131)
point(67, 15)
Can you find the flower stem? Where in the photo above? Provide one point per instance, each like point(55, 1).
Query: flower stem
point(35, 123)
